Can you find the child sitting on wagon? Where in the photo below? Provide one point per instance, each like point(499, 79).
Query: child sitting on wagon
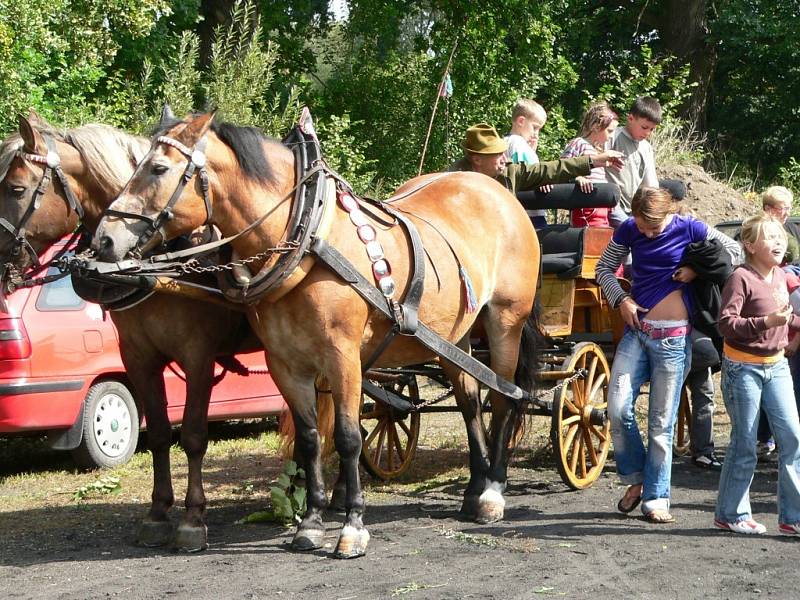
point(599, 122)
point(527, 119)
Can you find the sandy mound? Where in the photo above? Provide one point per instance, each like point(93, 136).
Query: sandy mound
point(711, 200)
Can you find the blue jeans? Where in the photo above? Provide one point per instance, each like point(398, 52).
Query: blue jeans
point(662, 362)
point(745, 388)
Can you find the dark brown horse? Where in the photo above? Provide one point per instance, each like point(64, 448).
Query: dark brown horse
point(97, 160)
point(315, 325)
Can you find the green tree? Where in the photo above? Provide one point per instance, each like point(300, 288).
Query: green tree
point(55, 55)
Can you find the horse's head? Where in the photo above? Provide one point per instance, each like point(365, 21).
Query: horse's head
point(168, 194)
point(34, 208)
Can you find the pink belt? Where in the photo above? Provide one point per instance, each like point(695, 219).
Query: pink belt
point(658, 333)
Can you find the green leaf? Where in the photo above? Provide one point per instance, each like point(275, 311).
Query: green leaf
point(299, 499)
point(262, 516)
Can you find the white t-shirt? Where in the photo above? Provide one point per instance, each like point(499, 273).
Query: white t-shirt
point(520, 151)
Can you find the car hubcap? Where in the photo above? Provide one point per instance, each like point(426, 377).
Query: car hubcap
point(112, 425)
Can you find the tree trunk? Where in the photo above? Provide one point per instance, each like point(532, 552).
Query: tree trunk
point(683, 25)
point(215, 13)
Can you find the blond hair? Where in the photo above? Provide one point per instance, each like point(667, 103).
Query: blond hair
point(598, 116)
point(777, 195)
point(753, 229)
point(530, 109)
point(652, 205)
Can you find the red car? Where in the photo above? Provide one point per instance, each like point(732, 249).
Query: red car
point(60, 367)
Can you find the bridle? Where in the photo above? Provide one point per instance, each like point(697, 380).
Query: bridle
point(196, 165)
point(52, 164)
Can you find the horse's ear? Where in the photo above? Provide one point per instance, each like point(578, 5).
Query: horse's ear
point(33, 141)
point(35, 118)
point(197, 128)
point(167, 114)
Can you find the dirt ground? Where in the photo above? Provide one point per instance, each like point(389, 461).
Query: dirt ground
point(552, 542)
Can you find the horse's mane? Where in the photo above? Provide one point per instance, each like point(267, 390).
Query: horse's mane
point(110, 155)
point(246, 143)
point(8, 150)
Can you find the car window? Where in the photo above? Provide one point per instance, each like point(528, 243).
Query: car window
point(59, 295)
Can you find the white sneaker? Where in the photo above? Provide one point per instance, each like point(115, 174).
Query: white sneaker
point(747, 527)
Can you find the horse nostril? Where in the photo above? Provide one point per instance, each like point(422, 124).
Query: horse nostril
point(105, 246)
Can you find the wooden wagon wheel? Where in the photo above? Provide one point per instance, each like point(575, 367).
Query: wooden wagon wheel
point(390, 436)
point(581, 447)
point(683, 426)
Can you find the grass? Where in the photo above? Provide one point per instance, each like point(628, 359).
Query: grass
point(677, 143)
point(225, 474)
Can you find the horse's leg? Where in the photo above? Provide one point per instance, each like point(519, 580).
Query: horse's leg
point(155, 529)
point(467, 394)
point(300, 394)
point(192, 532)
point(325, 425)
point(346, 389)
point(339, 494)
point(504, 330)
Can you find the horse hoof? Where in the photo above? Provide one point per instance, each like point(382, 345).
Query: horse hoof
point(469, 508)
point(491, 507)
point(352, 543)
point(191, 538)
point(308, 539)
point(152, 534)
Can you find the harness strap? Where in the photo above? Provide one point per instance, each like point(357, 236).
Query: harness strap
point(387, 339)
point(410, 305)
point(344, 269)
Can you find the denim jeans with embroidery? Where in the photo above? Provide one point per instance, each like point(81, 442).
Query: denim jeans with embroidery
point(747, 387)
point(663, 362)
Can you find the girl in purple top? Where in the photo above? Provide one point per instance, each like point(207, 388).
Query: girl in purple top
point(655, 347)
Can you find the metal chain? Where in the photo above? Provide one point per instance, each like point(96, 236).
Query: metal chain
point(434, 400)
point(579, 374)
point(193, 266)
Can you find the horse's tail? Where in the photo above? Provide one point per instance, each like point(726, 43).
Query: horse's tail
point(325, 424)
point(531, 343)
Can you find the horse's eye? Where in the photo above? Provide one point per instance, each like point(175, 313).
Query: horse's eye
point(17, 190)
point(159, 169)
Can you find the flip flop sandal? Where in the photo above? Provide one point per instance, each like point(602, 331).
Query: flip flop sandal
point(621, 507)
point(659, 516)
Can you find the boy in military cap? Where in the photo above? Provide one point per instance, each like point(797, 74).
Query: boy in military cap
point(484, 152)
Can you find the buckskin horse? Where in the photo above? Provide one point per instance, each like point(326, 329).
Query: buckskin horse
point(95, 161)
point(480, 263)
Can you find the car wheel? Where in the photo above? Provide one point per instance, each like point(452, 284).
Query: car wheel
point(110, 427)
